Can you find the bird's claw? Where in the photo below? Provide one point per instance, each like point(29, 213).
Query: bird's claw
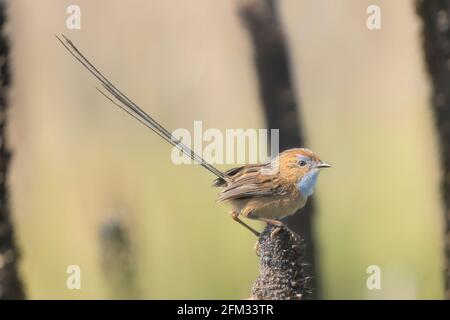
point(274, 232)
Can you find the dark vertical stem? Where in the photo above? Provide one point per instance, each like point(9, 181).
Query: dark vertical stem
point(117, 259)
point(10, 283)
point(278, 99)
point(435, 16)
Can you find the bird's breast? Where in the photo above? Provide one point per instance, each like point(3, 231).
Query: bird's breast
point(274, 207)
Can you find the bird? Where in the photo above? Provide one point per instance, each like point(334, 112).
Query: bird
point(266, 192)
point(274, 190)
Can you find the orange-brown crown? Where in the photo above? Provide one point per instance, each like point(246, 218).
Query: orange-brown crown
point(295, 163)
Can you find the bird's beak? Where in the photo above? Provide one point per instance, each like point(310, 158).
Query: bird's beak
point(322, 165)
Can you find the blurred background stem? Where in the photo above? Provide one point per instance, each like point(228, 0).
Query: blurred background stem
point(117, 258)
point(10, 282)
point(280, 106)
point(436, 45)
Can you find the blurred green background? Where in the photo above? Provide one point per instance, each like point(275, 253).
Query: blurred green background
point(78, 161)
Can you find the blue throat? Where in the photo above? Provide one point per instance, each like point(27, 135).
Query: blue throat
point(307, 183)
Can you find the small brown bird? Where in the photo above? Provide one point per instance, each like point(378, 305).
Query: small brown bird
point(265, 192)
point(269, 192)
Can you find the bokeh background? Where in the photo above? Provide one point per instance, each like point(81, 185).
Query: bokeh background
point(79, 163)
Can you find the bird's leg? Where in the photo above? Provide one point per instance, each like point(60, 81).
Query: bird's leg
point(273, 222)
point(235, 217)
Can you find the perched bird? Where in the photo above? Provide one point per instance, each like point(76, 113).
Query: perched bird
point(265, 192)
point(271, 191)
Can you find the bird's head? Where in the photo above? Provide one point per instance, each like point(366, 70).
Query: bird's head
point(301, 166)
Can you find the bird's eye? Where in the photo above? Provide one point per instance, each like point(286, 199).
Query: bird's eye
point(302, 163)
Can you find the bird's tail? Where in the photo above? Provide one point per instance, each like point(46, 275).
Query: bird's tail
point(122, 101)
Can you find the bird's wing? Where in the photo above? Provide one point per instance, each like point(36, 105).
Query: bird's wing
point(248, 181)
point(235, 173)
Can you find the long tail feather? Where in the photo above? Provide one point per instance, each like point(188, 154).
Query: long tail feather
point(120, 100)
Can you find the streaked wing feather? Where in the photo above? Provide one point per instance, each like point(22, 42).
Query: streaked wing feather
point(235, 173)
point(248, 182)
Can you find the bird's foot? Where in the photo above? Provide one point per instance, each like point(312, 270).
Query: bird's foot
point(275, 231)
point(278, 226)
